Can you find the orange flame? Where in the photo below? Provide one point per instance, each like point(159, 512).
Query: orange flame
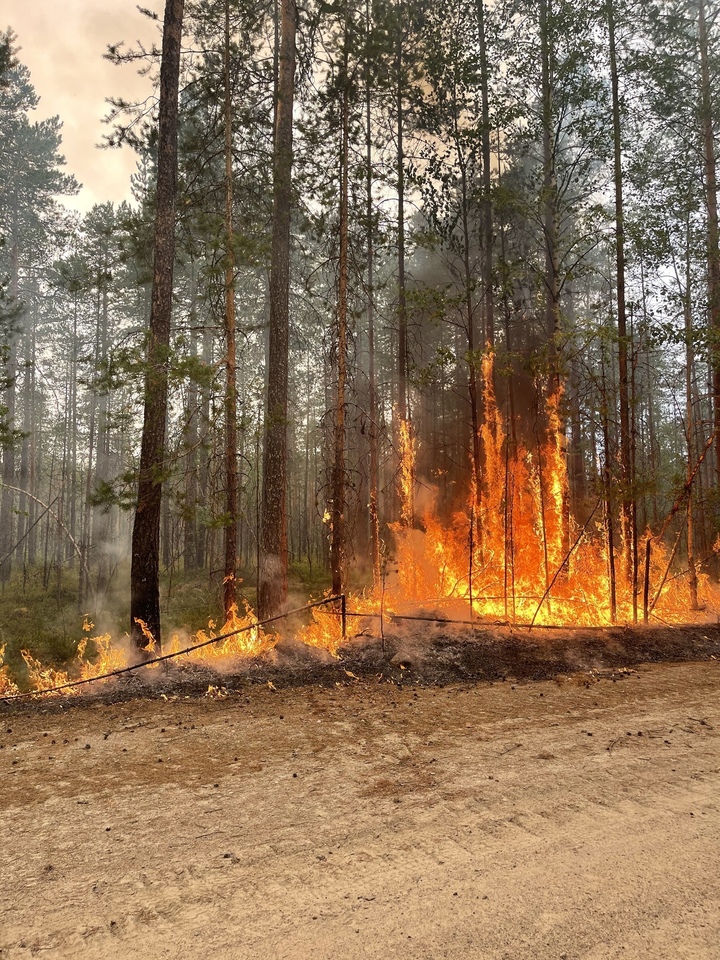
point(514, 553)
point(408, 457)
point(244, 642)
point(518, 563)
point(7, 687)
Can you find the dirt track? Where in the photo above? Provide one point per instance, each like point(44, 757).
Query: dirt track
point(369, 821)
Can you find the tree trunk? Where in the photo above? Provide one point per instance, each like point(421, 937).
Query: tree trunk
point(473, 393)
point(552, 282)
point(203, 542)
point(487, 203)
point(73, 441)
point(192, 438)
point(607, 483)
point(33, 507)
point(402, 356)
point(103, 516)
point(372, 399)
point(338, 545)
point(690, 438)
point(145, 566)
point(713, 236)
point(627, 503)
point(25, 503)
point(231, 465)
point(7, 500)
point(273, 574)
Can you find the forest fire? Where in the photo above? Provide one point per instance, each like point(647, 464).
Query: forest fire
point(514, 556)
point(492, 394)
point(360, 479)
point(105, 656)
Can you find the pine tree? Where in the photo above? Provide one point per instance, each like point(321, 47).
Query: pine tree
point(145, 573)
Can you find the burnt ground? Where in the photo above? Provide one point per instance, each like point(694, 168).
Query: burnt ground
point(396, 804)
point(439, 655)
point(423, 653)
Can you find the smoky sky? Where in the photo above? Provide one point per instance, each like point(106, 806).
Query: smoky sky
point(62, 43)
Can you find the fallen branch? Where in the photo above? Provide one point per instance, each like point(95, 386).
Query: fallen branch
point(57, 519)
point(562, 565)
point(28, 531)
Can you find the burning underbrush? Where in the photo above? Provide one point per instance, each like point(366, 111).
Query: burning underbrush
point(99, 655)
point(410, 652)
point(512, 557)
point(514, 552)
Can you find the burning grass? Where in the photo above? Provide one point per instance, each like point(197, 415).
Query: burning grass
point(512, 555)
point(99, 655)
point(515, 554)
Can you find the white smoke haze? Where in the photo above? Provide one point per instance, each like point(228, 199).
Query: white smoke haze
point(63, 47)
point(426, 496)
point(293, 653)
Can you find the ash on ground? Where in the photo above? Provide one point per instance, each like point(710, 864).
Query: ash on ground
point(422, 654)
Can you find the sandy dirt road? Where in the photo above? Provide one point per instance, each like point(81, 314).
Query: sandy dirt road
point(544, 820)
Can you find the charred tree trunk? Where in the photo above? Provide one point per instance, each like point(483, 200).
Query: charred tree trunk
point(231, 464)
point(145, 564)
point(338, 546)
point(273, 574)
point(713, 232)
point(627, 503)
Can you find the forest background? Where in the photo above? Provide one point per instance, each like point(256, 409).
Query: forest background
point(388, 218)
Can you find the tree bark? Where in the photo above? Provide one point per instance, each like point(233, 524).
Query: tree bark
point(607, 483)
point(552, 283)
point(145, 563)
point(690, 435)
point(7, 501)
point(231, 465)
point(338, 545)
point(487, 202)
point(103, 514)
point(402, 359)
point(273, 575)
point(473, 392)
point(713, 231)
point(192, 439)
point(372, 400)
point(627, 503)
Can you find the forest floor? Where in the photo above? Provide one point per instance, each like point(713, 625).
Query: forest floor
point(402, 814)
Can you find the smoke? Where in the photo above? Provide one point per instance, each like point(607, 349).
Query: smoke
point(426, 499)
point(292, 654)
point(65, 58)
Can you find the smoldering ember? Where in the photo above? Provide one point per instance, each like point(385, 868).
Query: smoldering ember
point(360, 491)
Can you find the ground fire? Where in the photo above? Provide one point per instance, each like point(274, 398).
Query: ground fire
point(513, 555)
